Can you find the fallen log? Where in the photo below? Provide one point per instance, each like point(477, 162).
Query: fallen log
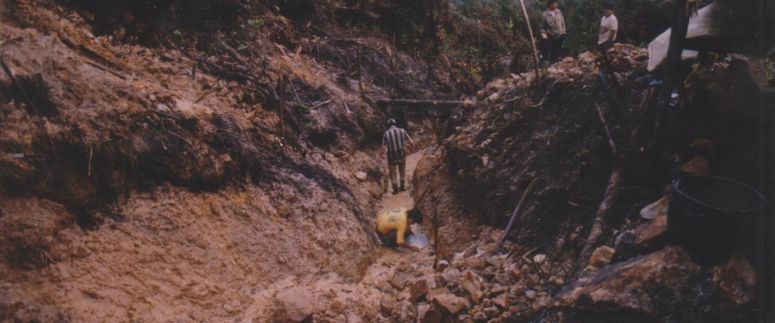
point(411, 102)
point(599, 226)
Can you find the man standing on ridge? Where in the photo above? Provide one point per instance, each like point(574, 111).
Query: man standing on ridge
point(609, 27)
point(394, 143)
point(552, 32)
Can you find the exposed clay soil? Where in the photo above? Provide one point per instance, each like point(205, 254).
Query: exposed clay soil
point(135, 189)
point(212, 183)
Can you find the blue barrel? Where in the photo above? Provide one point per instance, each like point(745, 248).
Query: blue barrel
point(707, 214)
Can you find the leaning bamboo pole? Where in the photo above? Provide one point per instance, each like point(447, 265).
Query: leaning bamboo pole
point(532, 40)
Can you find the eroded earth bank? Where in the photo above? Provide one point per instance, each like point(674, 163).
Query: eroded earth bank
point(203, 175)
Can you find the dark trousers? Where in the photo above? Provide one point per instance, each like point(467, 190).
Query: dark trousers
point(397, 170)
point(606, 46)
point(389, 240)
point(551, 48)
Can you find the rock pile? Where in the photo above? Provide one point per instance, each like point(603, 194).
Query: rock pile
point(623, 57)
point(476, 285)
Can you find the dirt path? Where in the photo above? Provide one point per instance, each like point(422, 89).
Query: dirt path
point(404, 199)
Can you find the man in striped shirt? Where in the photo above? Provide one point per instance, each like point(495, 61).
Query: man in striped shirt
point(394, 143)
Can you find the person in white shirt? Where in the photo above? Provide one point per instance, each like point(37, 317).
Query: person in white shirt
point(552, 32)
point(609, 27)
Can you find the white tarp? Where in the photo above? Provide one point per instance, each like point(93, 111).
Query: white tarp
point(700, 25)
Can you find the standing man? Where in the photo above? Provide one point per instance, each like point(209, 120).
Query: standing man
point(552, 32)
point(393, 143)
point(609, 27)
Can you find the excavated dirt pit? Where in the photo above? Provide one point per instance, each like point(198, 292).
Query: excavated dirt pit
point(151, 184)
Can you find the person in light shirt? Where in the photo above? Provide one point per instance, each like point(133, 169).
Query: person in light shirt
point(609, 27)
point(552, 32)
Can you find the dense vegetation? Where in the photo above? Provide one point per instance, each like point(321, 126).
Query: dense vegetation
point(640, 20)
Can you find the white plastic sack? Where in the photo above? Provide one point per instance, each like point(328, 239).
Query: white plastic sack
point(700, 25)
point(417, 240)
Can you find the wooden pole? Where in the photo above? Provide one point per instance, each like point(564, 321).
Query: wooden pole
point(522, 200)
point(412, 102)
point(532, 40)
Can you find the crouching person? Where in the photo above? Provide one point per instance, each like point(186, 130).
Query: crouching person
point(393, 227)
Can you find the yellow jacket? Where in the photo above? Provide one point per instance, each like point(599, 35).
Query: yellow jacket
point(394, 220)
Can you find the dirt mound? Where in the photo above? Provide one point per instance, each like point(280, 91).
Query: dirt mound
point(571, 132)
point(493, 153)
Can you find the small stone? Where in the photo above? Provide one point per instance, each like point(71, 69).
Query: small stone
point(501, 300)
point(361, 176)
point(494, 262)
point(465, 318)
point(481, 94)
point(539, 258)
point(295, 304)
point(469, 104)
point(531, 294)
point(485, 160)
point(422, 311)
point(400, 280)
point(497, 289)
point(494, 98)
point(601, 256)
point(451, 303)
point(408, 312)
point(654, 210)
point(491, 311)
point(417, 290)
point(450, 275)
point(479, 316)
point(652, 234)
point(556, 280)
point(503, 278)
point(471, 282)
point(475, 263)
point(737, 279)
point(387, 304)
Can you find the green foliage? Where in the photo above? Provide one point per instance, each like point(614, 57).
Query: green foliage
point(640, 20)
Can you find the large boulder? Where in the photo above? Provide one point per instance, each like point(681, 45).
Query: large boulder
point(664, 286)
point(643, 285)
